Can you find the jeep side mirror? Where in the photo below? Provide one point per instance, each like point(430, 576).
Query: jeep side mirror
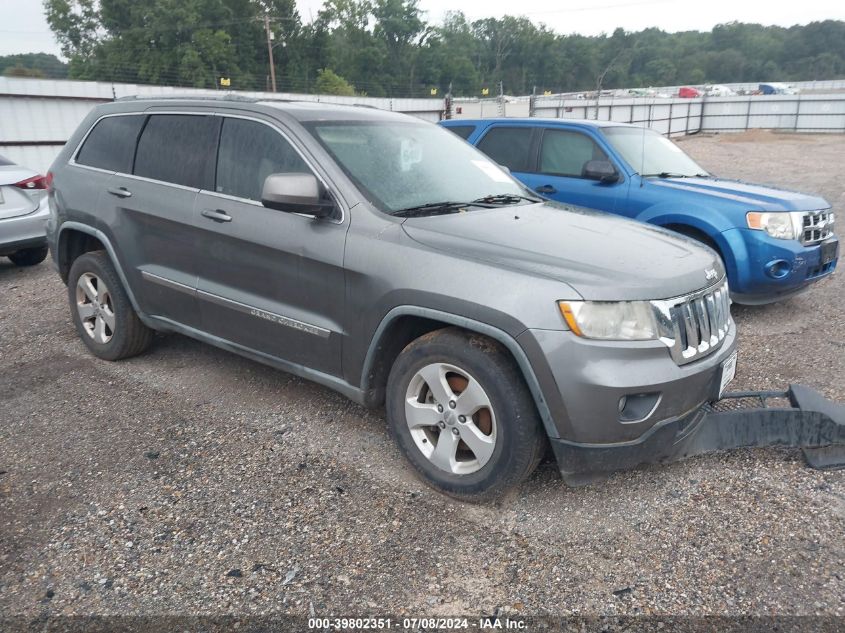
point(601, 170)
point(296, 193)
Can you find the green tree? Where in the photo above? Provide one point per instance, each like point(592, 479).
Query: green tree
point(330, 83)
point(21, 71)
point(400, 29)
point(74, 23)
point(386, 47)
point(41, 64)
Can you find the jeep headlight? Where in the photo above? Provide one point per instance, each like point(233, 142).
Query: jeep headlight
point(778, 225)
point(610, 320)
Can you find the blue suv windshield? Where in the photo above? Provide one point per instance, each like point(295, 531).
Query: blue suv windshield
point(651, 154)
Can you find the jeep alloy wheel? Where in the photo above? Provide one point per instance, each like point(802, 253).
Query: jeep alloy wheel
point(95, 308)
point(451, 419)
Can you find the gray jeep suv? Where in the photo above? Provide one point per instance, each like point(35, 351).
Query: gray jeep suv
point(384, 257)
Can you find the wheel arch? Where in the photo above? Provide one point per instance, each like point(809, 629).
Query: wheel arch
point(76, 239)
point(690, 224)
point(714, 240)
point(406, 323)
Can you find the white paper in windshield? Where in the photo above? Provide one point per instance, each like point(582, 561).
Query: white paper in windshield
point(410, 154)
point(493, 173)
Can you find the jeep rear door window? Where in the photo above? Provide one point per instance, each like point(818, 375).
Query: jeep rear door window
point(461, 130)
point(565, 153)
point(509, 146)
point(249, 152)
point(399, 165)
point(111, 144)
point(178, 148)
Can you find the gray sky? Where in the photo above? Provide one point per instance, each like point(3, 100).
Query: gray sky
point(23, 28)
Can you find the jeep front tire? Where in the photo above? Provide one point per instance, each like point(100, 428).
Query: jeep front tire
point(459, 409)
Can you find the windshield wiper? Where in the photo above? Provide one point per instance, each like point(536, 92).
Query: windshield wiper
point(506, 198)
point(487, 202)
point(434, 208)
point(669, 174)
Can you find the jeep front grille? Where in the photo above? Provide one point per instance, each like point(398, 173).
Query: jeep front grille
point(817, 226)
point(695, 325)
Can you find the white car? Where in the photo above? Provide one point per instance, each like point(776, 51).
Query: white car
point(23, 214)
point(719, 91)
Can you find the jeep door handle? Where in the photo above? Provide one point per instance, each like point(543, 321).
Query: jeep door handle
point(545, 189)
point(218, 215)
point(120, 192)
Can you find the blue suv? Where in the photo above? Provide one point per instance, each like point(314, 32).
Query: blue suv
point(774, 243)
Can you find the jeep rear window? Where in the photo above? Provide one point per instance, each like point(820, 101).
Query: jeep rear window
point(509, 146)
point(178, 148)
point(5, 161)
point(111, 144)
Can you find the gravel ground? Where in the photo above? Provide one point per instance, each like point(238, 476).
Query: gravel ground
point(190, 480)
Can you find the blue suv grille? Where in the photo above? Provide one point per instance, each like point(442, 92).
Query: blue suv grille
point(817, 226)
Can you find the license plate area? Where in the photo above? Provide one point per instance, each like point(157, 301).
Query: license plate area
point(827, 252)
point(728, 372)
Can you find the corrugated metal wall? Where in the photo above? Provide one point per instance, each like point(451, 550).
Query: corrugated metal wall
point(37, 116)
point(798, 113)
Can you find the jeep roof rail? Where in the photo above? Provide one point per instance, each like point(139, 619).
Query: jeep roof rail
point(203, 97)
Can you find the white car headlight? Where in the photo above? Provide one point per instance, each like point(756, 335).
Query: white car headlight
point(610, 320)
point(780, 225)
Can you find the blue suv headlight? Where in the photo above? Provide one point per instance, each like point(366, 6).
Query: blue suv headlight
point(782, 225)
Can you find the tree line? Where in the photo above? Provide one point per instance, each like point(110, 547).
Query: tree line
point(388, 48)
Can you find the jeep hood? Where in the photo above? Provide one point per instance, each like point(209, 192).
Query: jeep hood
point(750, 197)
point(601, 256)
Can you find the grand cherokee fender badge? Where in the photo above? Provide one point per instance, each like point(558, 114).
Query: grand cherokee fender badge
point(710, 274)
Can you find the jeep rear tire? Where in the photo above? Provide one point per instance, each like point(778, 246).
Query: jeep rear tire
point(101, 310)
point(459, 409)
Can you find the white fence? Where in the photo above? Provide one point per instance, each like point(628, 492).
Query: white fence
point(37, 116)
point(797, 113)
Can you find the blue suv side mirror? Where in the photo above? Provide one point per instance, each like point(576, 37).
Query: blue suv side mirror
point(601, 170)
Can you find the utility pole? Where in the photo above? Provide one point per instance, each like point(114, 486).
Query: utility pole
point(532, 102)
point(501, 99)
point(270, 52)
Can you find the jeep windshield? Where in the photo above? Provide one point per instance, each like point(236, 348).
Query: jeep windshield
point(413, 169)
point(651, 154)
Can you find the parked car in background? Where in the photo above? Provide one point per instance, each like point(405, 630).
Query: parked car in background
point(688, 92)
point(774, 243)
point(648, 92)
point(383, 257)
point(777, 89)
point(23, 213)
point(717, 90)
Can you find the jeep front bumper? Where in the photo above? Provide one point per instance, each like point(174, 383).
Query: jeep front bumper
point(798, 417)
